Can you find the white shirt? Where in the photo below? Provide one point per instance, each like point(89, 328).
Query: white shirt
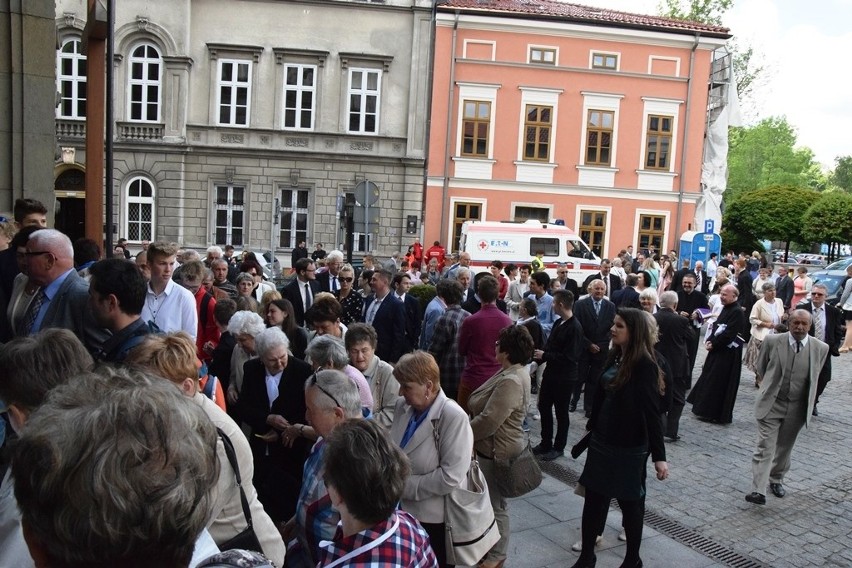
point(172, 310)
point(792, 342)
point(304, 291)
point(272, 382)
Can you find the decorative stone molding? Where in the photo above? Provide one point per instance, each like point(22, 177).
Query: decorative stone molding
point(252, 50)
point(232, 138)
point(383, 60)
point(284, 53)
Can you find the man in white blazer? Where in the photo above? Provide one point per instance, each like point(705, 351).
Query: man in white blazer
point(790, 364)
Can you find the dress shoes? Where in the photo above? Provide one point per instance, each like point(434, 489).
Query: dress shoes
point(672, 438)
point(777, 489)
point(814, 412)
point(572, 407)
point(756, 498)
point(540, 450)
point(552, 455)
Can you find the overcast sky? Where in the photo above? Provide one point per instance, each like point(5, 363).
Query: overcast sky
point(805, 48)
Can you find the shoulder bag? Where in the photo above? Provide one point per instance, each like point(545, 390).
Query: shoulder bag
point(247, 539)
point(471, 529)
point(517, 476)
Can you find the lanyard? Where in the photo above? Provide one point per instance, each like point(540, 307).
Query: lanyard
point(361, 549)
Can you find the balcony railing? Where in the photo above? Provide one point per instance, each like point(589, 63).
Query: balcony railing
point(67, 128)
point(140, 130)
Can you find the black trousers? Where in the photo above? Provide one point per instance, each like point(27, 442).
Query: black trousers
point(679, 387)
point(824, 377)
point(595, 511)
point(554, 395)
point(589, 371)
point(438, 539)
point(692, 349)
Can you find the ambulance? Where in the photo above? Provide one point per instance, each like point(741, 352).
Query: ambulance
point(517, 243)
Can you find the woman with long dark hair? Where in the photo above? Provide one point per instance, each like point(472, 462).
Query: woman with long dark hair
point(279, 313)
point(625, 427)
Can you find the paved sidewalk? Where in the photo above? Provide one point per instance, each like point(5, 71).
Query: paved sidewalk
point(710, 473)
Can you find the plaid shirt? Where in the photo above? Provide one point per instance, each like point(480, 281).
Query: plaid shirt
point(315, 518)
point(445, 346)
point(407, 547)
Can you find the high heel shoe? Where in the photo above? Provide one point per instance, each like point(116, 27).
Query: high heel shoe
point(635, 564)
point(585, 563)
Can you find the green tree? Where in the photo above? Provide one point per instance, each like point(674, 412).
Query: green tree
point(829, 219)
point(774, 213)
point(842, 175)
point(765, 155)
point(707, 11)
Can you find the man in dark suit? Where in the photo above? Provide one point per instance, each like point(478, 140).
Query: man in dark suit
point(386, 313)
point(300, 251)
point(328, 278)
point(674, 334)
point(302, 289)
point(628, 297)
point(827, 326)
point(472, 303)
point(413, 313)
point(561, 354)
point(688, 300)
point(278, 467)
point(596, 315)
point(784, 288)
point(678, 276)
point(611, 281)
point(63, 296)
point(702, 281)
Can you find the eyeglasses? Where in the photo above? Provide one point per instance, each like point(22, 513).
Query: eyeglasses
point(346, 278)
point(314, 383)
point(36, 252)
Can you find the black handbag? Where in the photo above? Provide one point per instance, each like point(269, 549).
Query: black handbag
point(582, 445)
point(246, 539)
point(517, 476)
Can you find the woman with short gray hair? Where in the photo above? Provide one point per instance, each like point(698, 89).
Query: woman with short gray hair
point(244, 326)
point(330, 398)
point(766, 314)
point(272, 399)
point(327, 352)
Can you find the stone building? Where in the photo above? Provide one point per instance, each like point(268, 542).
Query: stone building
point(249, 122)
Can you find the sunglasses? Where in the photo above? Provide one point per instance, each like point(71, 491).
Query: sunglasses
point(345, 278)
point(314, 383)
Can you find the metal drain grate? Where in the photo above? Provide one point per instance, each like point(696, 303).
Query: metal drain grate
point(668, 527)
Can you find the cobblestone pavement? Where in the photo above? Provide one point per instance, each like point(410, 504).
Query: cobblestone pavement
point(710, 473)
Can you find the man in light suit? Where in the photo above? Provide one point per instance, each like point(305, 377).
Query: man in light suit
point(63, 298)
point(790, 364)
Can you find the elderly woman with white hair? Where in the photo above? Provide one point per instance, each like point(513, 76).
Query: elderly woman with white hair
point(649, 300)
point(244, 326)
point(329, 352)
point(272, 398)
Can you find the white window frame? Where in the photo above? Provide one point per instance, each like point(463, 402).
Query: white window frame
point(142, 202)
point(660, 107)
point(234, 84)
point(490, 44)
point(230, 207)
point(615, 54)
point(652, 58)
point(364, 93)
point(580, 207)
point(475, 92)
point(144, 82)
point(543, 49)
point(538, 97)
point(299, 88)
point(516, 204)
point(603, 102)
point(367, 238)
point(75, 78)
point(656, 213)
point(292, 208)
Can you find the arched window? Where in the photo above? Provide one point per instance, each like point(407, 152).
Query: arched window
point(139, 210)
point(144, 81)
point(71, 80)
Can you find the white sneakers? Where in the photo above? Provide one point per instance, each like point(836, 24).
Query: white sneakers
point(578, 546)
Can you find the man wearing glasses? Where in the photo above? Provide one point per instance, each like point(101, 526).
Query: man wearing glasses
point(63, 295)
point(827, 326)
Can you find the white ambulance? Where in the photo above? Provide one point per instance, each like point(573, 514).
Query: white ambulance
point(518, 243)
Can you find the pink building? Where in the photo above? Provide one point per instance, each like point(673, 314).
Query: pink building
point(547, 110)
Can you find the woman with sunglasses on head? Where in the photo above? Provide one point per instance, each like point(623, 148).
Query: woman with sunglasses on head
point(350, 300)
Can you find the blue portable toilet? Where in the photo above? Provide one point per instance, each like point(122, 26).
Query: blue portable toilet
point(698, 246)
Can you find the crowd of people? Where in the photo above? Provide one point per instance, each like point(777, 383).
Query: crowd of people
point(179, 410)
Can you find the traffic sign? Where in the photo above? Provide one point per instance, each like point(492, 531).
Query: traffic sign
point(709, 226)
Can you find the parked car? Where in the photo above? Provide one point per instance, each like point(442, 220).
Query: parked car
point(833, 280)
point(840, 264)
